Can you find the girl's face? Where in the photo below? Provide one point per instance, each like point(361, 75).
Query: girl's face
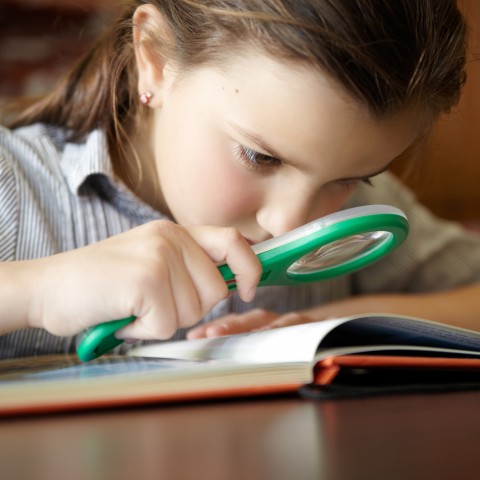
point(264, 146)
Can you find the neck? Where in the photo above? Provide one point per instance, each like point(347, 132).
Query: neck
point(135, 166)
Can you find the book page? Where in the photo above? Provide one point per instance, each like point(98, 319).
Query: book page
point(297, 343)
point(69, 367)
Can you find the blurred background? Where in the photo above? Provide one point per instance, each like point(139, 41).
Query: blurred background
point(40, 39)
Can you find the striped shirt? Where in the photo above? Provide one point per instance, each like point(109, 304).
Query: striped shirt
point(57, 196)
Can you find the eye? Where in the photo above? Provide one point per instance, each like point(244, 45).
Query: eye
point(255, 160)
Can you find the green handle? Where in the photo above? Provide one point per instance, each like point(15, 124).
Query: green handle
point(101, 339)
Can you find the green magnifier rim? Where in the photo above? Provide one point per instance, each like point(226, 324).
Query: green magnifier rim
point(277, 261)
point(394, 225)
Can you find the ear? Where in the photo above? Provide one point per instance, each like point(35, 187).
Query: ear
point(151, 60)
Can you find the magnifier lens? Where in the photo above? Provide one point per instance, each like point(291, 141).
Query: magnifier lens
point(339, 252)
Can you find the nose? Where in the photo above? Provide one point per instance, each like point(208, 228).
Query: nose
point(285, 211)
point(291, 204)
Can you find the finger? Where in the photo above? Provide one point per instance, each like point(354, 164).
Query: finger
point(228, 246)
point(208, 284)
point(181, 285)
point(154, 301)
point(154, 321)
point(289, 319)
point(233, 324)
point(191, 300)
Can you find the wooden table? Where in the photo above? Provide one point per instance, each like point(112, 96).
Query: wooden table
point(388, 438)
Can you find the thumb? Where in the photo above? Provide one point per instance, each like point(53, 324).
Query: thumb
point(227, 245)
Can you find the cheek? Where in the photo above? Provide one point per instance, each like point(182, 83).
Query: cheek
point(229, 197)
point(203, 186)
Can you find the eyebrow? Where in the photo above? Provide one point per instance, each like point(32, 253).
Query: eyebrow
point(262, 144)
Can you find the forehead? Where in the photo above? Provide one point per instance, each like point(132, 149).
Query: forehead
point(308, 101)
point(302, 112)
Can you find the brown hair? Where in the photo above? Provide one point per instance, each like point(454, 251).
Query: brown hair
point(386, 54)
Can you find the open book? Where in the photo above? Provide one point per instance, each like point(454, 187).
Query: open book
point(357, 349)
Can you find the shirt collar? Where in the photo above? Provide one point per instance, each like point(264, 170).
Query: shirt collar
point(88, 166)
point(81, 160)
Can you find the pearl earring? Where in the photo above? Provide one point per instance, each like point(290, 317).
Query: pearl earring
point(146, 97)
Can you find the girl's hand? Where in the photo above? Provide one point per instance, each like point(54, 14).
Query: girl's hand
point(162, 273)
point(259, 319)
point(256, 319)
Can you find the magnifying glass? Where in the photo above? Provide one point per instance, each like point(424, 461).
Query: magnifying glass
point(335, 245)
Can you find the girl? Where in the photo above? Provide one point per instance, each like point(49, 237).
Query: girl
point(196, 128)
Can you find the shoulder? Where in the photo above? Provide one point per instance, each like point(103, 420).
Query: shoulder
point(10, 148)
point(22, 138)
point(28, 147)
point(30, 187)
point(437, 253)
point(30, 158)
point(9, 195)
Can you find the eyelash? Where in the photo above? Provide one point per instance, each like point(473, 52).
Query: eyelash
point(255, 160)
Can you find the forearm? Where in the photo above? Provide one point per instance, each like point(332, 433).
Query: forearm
point(459, 307)
point(15, 295)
